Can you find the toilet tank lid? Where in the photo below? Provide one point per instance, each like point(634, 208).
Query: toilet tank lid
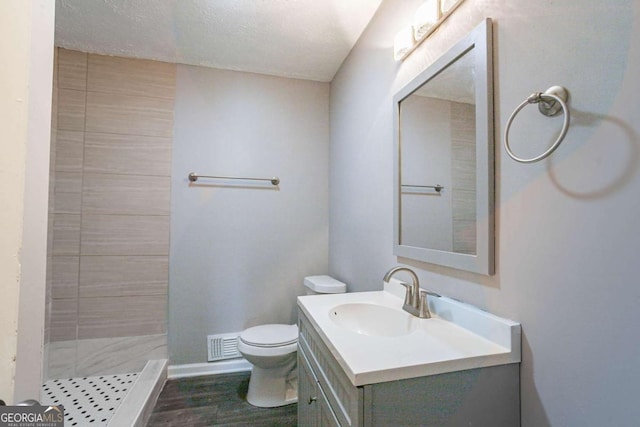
point(325, 284)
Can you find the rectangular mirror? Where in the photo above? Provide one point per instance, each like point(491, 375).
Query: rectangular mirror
point(443, 159)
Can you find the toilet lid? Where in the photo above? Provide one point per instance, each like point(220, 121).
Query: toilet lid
point(270, 335)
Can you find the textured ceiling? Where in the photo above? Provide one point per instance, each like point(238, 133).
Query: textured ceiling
point(305, 39)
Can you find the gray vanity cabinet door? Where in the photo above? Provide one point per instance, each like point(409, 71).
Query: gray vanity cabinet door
point(313, 407)
point(308, 405)
point(327, 417)
point(344, 399)
point(483, 397)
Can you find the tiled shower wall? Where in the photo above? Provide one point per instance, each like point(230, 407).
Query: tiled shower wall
point(463, 177)
point(109, 215)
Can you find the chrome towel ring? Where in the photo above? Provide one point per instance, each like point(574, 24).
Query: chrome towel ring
point(549, 103)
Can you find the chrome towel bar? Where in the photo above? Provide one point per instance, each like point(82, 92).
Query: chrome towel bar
point(436, 187)
point(193, 177)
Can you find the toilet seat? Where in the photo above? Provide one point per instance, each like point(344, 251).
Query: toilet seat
point(270, 336)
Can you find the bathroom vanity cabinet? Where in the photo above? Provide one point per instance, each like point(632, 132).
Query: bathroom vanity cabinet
point(483, 397)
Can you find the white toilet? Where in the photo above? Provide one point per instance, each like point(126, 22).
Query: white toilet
point(271, 349)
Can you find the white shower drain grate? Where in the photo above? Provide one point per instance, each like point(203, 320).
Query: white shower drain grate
point(88, 401)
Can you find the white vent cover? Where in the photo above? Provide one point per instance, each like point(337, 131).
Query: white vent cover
point(223, 346)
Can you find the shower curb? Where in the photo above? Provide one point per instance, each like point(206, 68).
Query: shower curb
point(136, 408)
point(215, 368)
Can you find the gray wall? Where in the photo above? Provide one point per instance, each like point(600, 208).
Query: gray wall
point(567, 228)
point(239, 252)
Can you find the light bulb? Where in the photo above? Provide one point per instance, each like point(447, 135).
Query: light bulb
point(403, 43)
point(425, 18)
point(446, 5)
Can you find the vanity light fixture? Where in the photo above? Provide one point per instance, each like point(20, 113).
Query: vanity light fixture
point(403, 43)
point(425, 21)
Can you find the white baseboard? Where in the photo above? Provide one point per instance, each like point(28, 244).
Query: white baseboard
point(214, 368)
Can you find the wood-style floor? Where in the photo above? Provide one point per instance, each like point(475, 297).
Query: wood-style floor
point(215, 400)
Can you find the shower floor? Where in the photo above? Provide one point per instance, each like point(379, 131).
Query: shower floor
point(88, 401)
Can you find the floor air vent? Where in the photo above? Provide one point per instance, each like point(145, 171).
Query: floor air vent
point(223, 346)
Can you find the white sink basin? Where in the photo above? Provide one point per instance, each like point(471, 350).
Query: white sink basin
point(373, 319)
point(374, 340)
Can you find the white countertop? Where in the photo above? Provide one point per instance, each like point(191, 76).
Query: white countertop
point(457, 337)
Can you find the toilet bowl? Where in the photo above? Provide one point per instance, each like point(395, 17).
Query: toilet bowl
point(272, 350)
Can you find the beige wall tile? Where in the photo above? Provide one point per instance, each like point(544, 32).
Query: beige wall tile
point(49, 277)
point(67, 185)
point(127, 154)
point(463, 177)
point(52, 154)
point(71, 109)
point(64, 282)
point(55, 67)
point(128, 76)
point(72, 69)
point(47, 304)
point(52, 171)
point(69, 151)
point(464, 237)
point(126, 97)
point(126, 194)
point(64, 317)
point(66, 234)
point(121, 316)
point(67, 203)
point(108, 356)
point(50, 221)
point(125, 235)
point(50, 204)
point(129, 115)
point(464, 207)
point(68, 182)
point(102, 276)
point(54, 108)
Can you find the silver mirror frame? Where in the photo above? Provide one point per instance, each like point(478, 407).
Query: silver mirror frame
point(480, 39)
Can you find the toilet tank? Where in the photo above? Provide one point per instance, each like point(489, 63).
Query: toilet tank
point(323, 285)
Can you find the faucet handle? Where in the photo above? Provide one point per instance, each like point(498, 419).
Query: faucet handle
point(424, 304)
point(408, 296)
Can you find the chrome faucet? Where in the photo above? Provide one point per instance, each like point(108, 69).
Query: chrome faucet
point(415, 299)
